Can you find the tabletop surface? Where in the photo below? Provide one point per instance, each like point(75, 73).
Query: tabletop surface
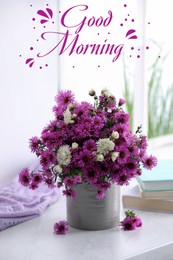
point(34, 239)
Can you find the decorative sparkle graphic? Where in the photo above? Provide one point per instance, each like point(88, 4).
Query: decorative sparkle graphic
point(129, 32)
point(30, 62)
point(47, 15)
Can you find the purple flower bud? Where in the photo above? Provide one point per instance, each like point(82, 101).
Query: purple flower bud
point(121, 102)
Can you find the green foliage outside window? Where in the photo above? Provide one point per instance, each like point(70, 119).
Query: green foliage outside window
point(160, 100)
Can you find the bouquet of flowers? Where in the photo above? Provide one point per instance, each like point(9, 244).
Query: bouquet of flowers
point(89, 144)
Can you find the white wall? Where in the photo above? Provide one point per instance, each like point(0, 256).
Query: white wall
point(26, 95)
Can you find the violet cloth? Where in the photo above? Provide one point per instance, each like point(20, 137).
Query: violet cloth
point(19, 203)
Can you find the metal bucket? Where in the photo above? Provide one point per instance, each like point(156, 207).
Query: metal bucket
point(88, 213)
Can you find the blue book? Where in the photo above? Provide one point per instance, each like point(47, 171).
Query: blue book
point(159, 178)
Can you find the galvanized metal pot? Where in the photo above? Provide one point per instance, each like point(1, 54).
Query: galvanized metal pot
point(88, 213)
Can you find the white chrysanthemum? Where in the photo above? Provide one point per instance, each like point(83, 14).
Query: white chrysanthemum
point(58, 168)
point(64, 155)
point(115, 135)
point(67, 116)
point(114, 156)
point(99, 157)
point(104, 146)
point(74, 145)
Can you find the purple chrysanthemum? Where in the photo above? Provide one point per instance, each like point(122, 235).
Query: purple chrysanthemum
point(34, 143)
point(49, 182)
point(91, 175)
point(123, 155)
point(102, 186)
point(64, 98)
point(128, 224)
point(143, 143)
point(77, 179)
point(100, 195)
point(24, 177)
point(69, 182)
point(61, 227)
point(122, 178)
point(89, 145)
point(33, 186)
point(69, 193)
point(37, 178)
point(98, 122)
point(85, 157)
point(137, 221)
point(149, 162)
point(131, 221)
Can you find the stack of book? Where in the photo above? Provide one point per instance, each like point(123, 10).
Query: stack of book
point(153, 190)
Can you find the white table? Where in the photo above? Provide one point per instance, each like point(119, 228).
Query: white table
point(34, 239)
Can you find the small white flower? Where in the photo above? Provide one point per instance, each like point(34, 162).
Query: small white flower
point(74, 116)
point(99, 157)
point(104, 146)
point(64, 155)
point(74, 145)
point(67, 116)
point(114, 156)
point(105, 92)
point(71, 106)
point(92, 92)
point(115, 135)
point(58, 168)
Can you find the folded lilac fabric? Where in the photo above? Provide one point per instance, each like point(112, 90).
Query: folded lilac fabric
point(19, 203)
